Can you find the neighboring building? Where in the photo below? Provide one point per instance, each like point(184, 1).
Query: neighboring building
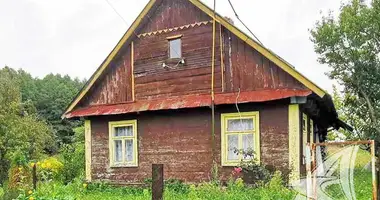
point(151, 101)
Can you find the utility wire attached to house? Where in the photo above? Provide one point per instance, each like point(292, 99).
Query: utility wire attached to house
point(241, 21)
point(125, 21)
point(114, 9)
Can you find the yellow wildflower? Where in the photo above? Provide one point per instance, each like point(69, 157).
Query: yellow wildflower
point(38, 163)
point(32, 164)
point(30, 192)
point(20, 169)
point(31, 198)
point(84, 185)
point(48, 165)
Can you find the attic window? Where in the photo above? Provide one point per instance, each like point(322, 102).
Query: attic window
point(175, 46)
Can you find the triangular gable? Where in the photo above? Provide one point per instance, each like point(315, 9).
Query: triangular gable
point(240, 34)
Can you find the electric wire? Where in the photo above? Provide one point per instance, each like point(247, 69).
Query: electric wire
point(121, 17)
point(241, 21)
point(114, 9)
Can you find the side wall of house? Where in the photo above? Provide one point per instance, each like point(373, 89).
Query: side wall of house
point(182, 141)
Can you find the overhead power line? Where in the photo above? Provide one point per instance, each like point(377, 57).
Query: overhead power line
point(114, 9)
point(241, 21)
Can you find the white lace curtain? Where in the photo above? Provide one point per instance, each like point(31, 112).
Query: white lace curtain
point(240, 125)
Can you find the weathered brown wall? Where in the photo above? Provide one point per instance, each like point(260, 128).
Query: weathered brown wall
point(115, 86)
point(243, 68)
point(153, 80)
point(247, 69)
point(181, 140)
point(173, 13)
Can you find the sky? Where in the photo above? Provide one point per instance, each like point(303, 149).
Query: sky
point(74, 36)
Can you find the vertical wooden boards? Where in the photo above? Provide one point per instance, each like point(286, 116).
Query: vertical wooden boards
point(251, 70)
point(294, 142)
point(87, 135)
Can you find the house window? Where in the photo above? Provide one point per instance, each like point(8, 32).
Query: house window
point(240, 133)
point(175, 46)
point(123, 144)
point(304, 136)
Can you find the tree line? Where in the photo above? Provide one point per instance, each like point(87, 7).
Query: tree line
point(30, 115)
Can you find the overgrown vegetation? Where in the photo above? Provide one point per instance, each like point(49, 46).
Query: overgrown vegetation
point(174, 190)
point(31, 129)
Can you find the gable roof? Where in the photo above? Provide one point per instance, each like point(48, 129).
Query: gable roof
point(233, 29)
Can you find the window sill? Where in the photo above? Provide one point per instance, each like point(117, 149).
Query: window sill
point(232, 164)
point(124, 166)
point(175, 61)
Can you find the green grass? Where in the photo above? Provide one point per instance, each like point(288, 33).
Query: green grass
point(1, 193)
point(362, 179)
point(206, 191)
point(202, 192)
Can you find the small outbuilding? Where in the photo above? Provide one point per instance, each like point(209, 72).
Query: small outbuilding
point(185, 88)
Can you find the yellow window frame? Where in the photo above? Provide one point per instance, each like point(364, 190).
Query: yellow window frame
point(112, 138)
point(224, 134)
point(305, 129)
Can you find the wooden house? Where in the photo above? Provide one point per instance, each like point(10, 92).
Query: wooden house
point(184, 87)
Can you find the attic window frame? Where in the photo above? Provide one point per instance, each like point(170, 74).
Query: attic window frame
point(170, 40)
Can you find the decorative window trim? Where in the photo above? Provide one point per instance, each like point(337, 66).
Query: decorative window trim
point(112, 138)
point(174, 37)
point(224, 134)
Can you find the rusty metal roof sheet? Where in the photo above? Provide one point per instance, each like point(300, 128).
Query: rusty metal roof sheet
point(189, 101)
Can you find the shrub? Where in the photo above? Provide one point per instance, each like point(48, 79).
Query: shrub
point(73, 158)
point(19, 175)
point(235, 184)
point(253, 172)
point(176, 186)
point(49, 169)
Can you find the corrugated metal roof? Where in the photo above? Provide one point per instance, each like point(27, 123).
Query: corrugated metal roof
point(189, 101)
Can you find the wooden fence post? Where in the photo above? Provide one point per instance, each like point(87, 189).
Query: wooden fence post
point(157, 181)
point(34, 172)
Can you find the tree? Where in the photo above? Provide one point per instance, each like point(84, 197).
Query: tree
point(350, 46)
point(348, 113)
point(20, 131)
point(48, 97)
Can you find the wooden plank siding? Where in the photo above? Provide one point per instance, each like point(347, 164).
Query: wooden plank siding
point(194, 77)
point(181, 140)
point(244, 67)
point(171, 13)
point(248, 70)
point(115, 86)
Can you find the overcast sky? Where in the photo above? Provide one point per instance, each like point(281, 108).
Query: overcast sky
point(74, 36)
